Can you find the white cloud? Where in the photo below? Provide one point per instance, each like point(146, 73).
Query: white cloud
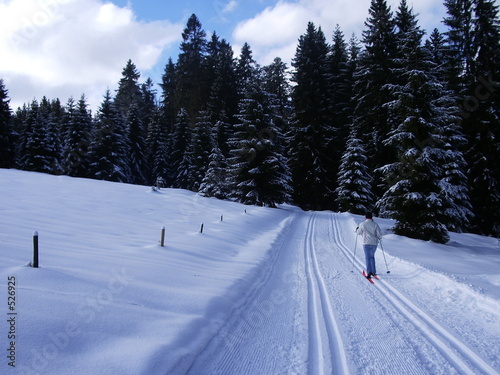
point(63, 48)
point(275, 31)
point(230, 6)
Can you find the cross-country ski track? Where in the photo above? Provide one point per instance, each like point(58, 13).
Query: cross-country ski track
point(312, 312)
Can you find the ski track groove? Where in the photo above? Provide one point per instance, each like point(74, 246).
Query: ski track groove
point(456, 352)
point(321, 314)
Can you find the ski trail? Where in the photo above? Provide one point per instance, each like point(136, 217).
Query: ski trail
point(442, 339)
point(265, 334)
point(460, 356)
point(321, 316)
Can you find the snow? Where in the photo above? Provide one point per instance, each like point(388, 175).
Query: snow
point(266, 291)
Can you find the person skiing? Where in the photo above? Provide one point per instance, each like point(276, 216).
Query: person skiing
point(371, 235)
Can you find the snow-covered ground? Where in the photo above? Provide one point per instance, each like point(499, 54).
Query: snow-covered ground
point(266, 291)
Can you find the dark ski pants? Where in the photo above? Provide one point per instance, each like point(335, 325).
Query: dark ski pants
point(370, 258)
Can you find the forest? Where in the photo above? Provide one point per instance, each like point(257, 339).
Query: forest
point(401, 122)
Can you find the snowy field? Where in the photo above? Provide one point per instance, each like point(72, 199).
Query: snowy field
point(266, 291)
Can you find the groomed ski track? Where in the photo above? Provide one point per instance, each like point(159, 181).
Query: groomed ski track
point(312, 312)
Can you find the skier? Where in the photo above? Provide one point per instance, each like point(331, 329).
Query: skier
point(371, 235)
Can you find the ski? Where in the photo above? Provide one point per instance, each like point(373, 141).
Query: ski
point(368, 278)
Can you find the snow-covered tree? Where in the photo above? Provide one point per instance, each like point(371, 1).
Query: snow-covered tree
point(129, 90)
point(108, 153)
point(136, 146)
point(310, 133)
point(425, 141)
point(215, 182)
point(354, 180)
point(157, 148)
point(7, 151)
point(373, 77)
point(201, 144)
point(259, 170)
point(180, 160)
point(77, 137)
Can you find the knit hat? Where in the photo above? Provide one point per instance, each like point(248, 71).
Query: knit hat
point(369, 215)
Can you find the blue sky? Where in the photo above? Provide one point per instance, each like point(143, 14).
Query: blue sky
point(64, 48)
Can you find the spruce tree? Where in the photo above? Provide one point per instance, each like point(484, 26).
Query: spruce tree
point(419, 194)
point(7, 151)
point(136, 146)
point(129, 90)
point(354, 180)
point(277, 84)
point(202, 145)
point(179, 157)
point(192, 88)
point(108, 153)
point(214, 183)
point(77, 138)
point(157, 146)
point(310, 136)
point(340, 95)
point(481, 119)
point(259, 171)
point(223, 100)
point(167, 101)
point(373, 79)
point(460, 59)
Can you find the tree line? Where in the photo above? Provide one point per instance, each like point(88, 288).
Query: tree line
point(394, 123)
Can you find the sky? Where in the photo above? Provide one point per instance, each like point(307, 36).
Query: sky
point(66, 48)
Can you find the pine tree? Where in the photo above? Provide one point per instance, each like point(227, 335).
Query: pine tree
point(192, 88)
point(214, 183)
point(423, 140)
point(246, 70)
point(277, 84)
point(77, 138)
point(52, 121)
point(7, 151)
point(202, 145)
point(39, 151)
point(147, 105)
point(260, 173)
point(167, 102)
point(129, 91)
point(136, 146)
point(373, 78)
point(108, 153)
point(340, 94)
point(223, 99)
point(179, 157)
point(460, 59)
point(311, 135)
point(157, 146)
point(354, 181)
point(481, 119)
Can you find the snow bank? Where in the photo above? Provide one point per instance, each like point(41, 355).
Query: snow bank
point(107, 298)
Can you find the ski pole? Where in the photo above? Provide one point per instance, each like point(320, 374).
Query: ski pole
point(354, 254)
point(385, 260)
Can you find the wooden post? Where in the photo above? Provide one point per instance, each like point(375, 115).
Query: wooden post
point(201, 229)
point(162, 241)
point(35, 250)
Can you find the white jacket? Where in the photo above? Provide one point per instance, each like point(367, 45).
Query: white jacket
point(370, 231)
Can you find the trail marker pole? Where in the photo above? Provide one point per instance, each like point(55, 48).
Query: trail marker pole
point(162, 241)
point(35, 250)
